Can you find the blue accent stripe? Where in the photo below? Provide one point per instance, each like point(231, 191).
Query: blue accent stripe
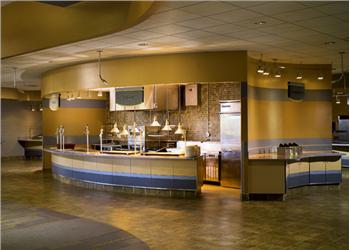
point(317, 172)
point(89, 171)
point(259, 93)
point(78, 103)
point(125, 180)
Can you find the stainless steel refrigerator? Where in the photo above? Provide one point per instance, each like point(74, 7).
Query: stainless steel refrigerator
point(230, 139)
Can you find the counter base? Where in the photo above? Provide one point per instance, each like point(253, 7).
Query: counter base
point(128, 189)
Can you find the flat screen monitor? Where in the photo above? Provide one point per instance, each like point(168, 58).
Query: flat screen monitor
point(296, 91)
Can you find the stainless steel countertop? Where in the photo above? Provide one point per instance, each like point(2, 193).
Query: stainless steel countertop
point(303, 156)
point(94, 153)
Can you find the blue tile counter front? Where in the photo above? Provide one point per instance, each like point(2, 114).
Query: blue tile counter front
point(140, 172)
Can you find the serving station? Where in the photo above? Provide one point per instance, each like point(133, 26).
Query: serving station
point(273, 175)
point(161, 175)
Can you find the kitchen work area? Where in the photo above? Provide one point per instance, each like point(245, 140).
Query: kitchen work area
point(170, 139)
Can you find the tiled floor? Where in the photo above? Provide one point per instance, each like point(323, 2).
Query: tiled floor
point(310, 218)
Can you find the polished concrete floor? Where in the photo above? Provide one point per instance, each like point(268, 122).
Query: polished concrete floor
point(311, 217)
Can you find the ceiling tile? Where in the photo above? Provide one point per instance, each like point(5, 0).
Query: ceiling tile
point(300, 15)
point(246, 34)
point(225, 28)
point(209, 8)
point(142, 35)
point(251, 23)
point(333, 7)
point(236, 15)
point(246, 4)
point(170, 29)
point(200, 23)
point(193, 34)
point(271, 8)
point(280, 28)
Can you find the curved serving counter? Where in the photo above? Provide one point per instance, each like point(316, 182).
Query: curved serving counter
point(173, 176)
point(273, 174)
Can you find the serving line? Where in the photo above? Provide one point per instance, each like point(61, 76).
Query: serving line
point(273, 174)
point(174, 176)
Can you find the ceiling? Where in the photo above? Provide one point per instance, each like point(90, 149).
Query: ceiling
point(295, 32)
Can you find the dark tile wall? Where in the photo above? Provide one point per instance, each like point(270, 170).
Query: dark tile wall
point(194, 118)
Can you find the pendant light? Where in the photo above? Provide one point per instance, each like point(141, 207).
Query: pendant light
point(167, 126)
point(260, 68)
point(99, 68)
point(179, 130)
point(124, 131)
point(277, 73)
point(299, 74)
point(135, 130)
point(115, 129)
point(155, 123)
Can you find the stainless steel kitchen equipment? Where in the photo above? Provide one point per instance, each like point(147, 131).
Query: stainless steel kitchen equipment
point(212, 168)
point(230, 139)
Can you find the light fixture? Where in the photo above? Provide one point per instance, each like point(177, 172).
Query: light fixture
point(155, 123)
point(32, 108)
point(266, 73)
point(41, 107)
point(277, 71)
point(260, 69)
point(282, 67)
point(299, 74)
point(99, 68)
point(79, 96)
point(329, 43)
point(124, 131)
point(135, 130)
point(115, 129)
point(260, 22)
point(167, 126)
point(337, 99)
point(99, 93)
point(179, 130)
point(320, 77)
point(143, 44)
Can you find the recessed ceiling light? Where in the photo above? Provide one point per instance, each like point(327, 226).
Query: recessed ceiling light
point(143, 44)
point(329, 43)
point(260, 22)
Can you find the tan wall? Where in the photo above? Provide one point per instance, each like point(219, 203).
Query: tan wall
point(74, 120)
point(171, 68)
point(74, 23)
point(13, 94)
point(281, 118)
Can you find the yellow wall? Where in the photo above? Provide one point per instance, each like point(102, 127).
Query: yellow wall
point(74, 120)
point(270, 119)
point(51, 26)
point(143, 70)
point(13, 94)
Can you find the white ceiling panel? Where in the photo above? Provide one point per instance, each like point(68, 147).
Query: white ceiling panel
point(170, 29)
point(200, 23)
point(225, 28)
point(333, 8)
point(273, 8)
point(209, 8)
point(234, 16)
point(300, 15)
